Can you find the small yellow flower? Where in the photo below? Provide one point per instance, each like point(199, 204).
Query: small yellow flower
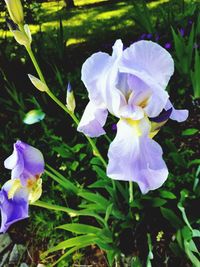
point(159, 236)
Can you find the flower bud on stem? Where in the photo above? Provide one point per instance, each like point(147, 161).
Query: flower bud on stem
point(61, 105)
point(15, 10)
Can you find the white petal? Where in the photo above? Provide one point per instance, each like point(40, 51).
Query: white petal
point(11, 161)
point(177, 115)
point(135, 157)
point(93, 120)
point(149, 58)
point(92, 70)
point(117, 49)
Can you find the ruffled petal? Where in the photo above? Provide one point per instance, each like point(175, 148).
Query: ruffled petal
point(33, 159)
point(92, 70)
point(177, 115)
point(156, 104)
point(113, 98)
point(12, 160)
point(154, 66)
point(13, 209)
point(93, 120)
point(25, 162)
point(15, 162)
point(149, 59)
point(100, 76)
point(135, 157)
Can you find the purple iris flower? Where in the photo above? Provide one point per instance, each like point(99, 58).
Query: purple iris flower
point(12, 209)
point(149, 36)
point(26, 162)
point(143, 36)
point(114, 127)
point(168, 45)
point(182, 31)
point(157, 38)
point(130, 84)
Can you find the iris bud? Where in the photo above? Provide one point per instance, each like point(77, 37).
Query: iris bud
point(38, 83)
point(22, 35)
point(15, 11)
point(70, 100)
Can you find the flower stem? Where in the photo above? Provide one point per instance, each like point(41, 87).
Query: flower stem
point(34, 61)
point(61, 105)
point(130, 192)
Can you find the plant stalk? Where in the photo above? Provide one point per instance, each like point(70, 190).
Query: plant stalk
point(130, 192)
point(61, 105)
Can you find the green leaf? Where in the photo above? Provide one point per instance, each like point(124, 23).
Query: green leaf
point(90, 213)
point(171, 217)
point(190, 131)
point(157, 202)
point(93, 207)
point(122, 190)
point(74, 165)
point(64, 152)
point(74, 241)
point(195, 75)
point(96, 198)
point(186, 233)
point(108, 212)
point(79, 228)
point(77, 147)
point(195, 233)
point(135, 262)
point(194, 162)
point(190, 254)
point(179, 239)
point(70, 212)
point(167, 194)
point(34, 116)
point(106, 184)
point(182, 209)
point(111, 257)
point(57, 175)
point(72, 250)
point(101, 173)
point(63, 182)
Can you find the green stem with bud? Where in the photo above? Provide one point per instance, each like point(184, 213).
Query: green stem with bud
point(61, 105)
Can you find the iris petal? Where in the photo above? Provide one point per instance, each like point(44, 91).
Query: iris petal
point(177, 115)
point(133, 156)
point(13, 209)
point(25, 162)
point(93, 120)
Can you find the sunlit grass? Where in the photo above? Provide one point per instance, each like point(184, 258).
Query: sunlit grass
point(87, 2)
point(154, 4)
point(72, 41)
point(81, 24)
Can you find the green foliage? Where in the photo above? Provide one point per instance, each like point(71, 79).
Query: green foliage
point(195, 74)
point(190, 131)
point(143, 16)
point(183, 51)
